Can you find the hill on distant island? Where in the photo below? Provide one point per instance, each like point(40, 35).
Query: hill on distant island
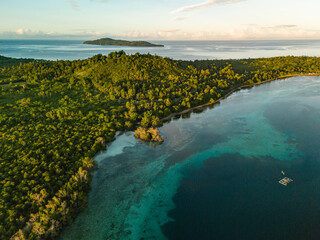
point(110, 41)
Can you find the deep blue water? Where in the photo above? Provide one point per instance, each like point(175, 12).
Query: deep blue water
point(186, 50)
point(216, 175)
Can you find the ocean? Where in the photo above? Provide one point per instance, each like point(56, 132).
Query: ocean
point(178, 50)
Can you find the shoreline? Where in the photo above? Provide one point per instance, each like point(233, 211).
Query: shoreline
point(189, 110)
point(17, 234)
point(134, 225)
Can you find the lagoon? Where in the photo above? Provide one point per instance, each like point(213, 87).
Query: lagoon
point(216, 174)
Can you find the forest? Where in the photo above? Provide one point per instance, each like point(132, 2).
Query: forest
point(56, 115)
point(7, 61)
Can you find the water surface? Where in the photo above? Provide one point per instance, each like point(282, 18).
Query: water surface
point(216, 175)
point(185, 50)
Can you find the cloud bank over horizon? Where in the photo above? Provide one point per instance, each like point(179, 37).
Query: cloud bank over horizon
point(246, 32)
point(205, 4)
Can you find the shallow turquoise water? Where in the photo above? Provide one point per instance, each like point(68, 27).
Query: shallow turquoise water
point(216, 175)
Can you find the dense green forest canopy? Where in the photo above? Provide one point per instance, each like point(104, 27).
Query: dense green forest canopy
point(8, 62)
point(110, 41)
point(55, 115)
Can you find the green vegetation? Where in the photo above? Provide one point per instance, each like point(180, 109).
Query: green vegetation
point(63, 112)
point(8, 62)
point(110, 41)
point(148, 134)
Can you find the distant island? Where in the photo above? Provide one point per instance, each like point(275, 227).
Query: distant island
point(110, 41)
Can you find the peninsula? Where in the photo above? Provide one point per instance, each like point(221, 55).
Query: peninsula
point(115, 42)
point(56, 115)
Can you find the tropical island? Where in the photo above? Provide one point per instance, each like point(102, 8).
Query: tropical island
point(56, 115)
point(114, 42)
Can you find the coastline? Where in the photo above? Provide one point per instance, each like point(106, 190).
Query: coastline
point(189, 110)
point(227, 94)
point(158, 196)
point(130, 223)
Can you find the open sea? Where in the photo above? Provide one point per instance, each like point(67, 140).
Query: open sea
point(184, 50)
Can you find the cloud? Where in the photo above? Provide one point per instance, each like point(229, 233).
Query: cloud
point(102, 1)
point(165, 34)
point(169, 30)
point(286, 26)
point(20, 31)
point(73, 4)
point(25, 33)
point(268, 32)
point(205, 4)
point(243, 32)
point(178, 18)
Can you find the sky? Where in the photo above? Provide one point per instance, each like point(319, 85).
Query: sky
point(160, 19)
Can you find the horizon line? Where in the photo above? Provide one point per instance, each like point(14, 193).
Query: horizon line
point(163, 40)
